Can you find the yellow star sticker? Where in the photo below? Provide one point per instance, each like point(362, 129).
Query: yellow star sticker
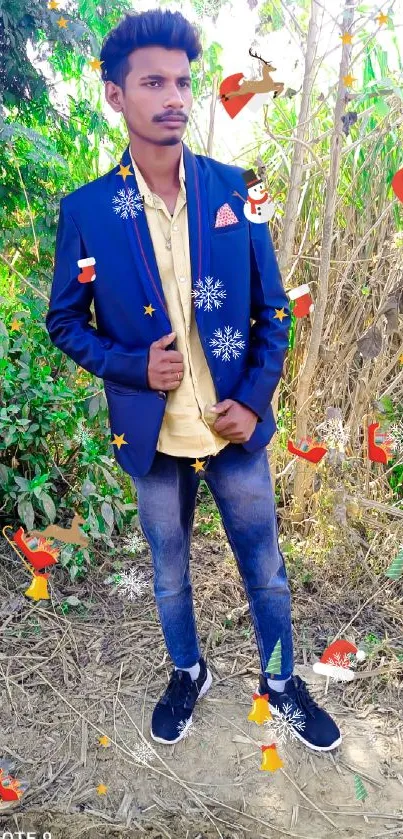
point(102, 789)
point(124, 171)
point(62, 22)
point(382, 18)
point(199, 465)
point(348, 80)
point(16, 324)
point(104, 741)
point(149, 310)
point(95, 64)
point(53, 4)
point(346, 38)
point(119, 441)
point(280, 314)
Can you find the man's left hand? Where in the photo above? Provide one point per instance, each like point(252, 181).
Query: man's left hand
point(238, 423)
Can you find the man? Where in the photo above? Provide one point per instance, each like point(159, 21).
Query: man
point(170, 260)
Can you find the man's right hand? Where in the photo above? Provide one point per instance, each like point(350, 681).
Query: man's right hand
point(164, 365)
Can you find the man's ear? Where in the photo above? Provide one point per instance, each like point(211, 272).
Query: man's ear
point(113, 96)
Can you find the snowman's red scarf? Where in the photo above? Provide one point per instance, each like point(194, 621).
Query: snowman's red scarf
point(254, 201)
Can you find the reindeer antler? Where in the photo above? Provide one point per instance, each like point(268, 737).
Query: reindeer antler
point(255, 55)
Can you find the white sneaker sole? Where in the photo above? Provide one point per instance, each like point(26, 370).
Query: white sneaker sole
point(334, 745)
point(205, 688)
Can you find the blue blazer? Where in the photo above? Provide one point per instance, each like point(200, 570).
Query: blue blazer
point(105, 219)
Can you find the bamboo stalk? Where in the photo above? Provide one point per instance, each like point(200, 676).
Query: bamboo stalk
point(311, 357)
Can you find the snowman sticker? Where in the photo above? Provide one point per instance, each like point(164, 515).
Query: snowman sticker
point(258, 206)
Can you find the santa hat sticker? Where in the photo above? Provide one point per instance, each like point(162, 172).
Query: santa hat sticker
point(87, 273)
point(335, 662)
point(303, 304)
point(397, 184)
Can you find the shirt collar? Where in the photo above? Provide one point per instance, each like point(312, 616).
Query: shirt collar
point(143, 186)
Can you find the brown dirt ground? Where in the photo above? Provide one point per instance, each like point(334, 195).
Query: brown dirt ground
point(67, 679)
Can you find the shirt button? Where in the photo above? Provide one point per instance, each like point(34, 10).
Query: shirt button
point(175, 227)
point(188, 329)
point(182, 279)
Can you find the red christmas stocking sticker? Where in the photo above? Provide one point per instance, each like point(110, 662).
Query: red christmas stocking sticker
point(380, 444)
point(87, 270)
point(303, 304)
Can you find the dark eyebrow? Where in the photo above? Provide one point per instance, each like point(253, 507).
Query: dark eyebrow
point(159, 77)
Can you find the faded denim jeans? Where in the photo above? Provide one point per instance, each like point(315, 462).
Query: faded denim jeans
point(240, 483)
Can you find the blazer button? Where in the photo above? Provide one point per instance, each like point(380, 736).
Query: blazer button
point(182, 279)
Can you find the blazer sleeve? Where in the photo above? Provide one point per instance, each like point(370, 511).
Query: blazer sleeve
point(269, 334)
point(68, 316)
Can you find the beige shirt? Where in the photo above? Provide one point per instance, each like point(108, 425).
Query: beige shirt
point(184, 431)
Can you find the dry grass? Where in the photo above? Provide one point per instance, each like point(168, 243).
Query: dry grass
point(67, 679)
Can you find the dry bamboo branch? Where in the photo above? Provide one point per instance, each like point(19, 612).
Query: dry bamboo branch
point(311, 358)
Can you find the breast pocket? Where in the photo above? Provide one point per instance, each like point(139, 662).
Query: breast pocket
point(228, 228)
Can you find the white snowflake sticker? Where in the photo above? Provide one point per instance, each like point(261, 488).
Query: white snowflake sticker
point(142, 753)
point(227, 344)
point(127, 203)
point(132, 584)
point(284, 726)
point(207, 293)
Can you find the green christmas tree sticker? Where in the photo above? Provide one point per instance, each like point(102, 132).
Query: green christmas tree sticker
point(395, 570)
point(273, 666)
point(360, 791)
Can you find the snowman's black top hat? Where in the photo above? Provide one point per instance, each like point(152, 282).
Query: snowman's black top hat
point(250, 178)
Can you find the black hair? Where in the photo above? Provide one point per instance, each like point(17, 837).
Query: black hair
point(156, 27)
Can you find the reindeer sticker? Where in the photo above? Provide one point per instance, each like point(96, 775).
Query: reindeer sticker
point(71, 535)
point(232, 87)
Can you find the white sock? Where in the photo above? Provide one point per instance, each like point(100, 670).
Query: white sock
point(194, 671)
point(277, 684)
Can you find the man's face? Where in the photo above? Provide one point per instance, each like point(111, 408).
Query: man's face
point(158, 86)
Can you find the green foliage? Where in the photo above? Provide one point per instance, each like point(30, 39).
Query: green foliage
point(55, 450)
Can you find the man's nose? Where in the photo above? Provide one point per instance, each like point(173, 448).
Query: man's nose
point(174, 98)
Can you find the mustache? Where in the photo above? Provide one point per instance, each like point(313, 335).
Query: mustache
point(164, 117)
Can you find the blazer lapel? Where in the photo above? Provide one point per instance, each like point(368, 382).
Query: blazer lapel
point(142, 249)
point(141, 244)
point(198, 224)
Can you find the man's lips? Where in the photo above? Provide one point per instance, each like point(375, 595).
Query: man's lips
point(176, 120)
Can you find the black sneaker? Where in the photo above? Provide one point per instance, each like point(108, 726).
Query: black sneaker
point(172, 715)
point(310, 724)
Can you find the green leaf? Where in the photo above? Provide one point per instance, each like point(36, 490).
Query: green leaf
point(93, 407)
point(72, 600)
point(4, 472)
point(22, 482)
point(381, 107)
point(48, 506)
point(26, 513)
point(107, 513)
point(87, 488)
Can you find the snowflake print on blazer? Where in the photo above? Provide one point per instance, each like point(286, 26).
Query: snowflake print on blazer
point(207, 293)
point(235, 278)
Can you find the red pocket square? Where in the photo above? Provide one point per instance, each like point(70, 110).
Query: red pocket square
point(225, 215)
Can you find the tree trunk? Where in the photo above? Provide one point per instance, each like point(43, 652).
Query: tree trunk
point(302, 473)
point(286, 249)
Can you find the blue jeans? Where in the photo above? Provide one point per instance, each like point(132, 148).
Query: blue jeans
point(240, 483)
